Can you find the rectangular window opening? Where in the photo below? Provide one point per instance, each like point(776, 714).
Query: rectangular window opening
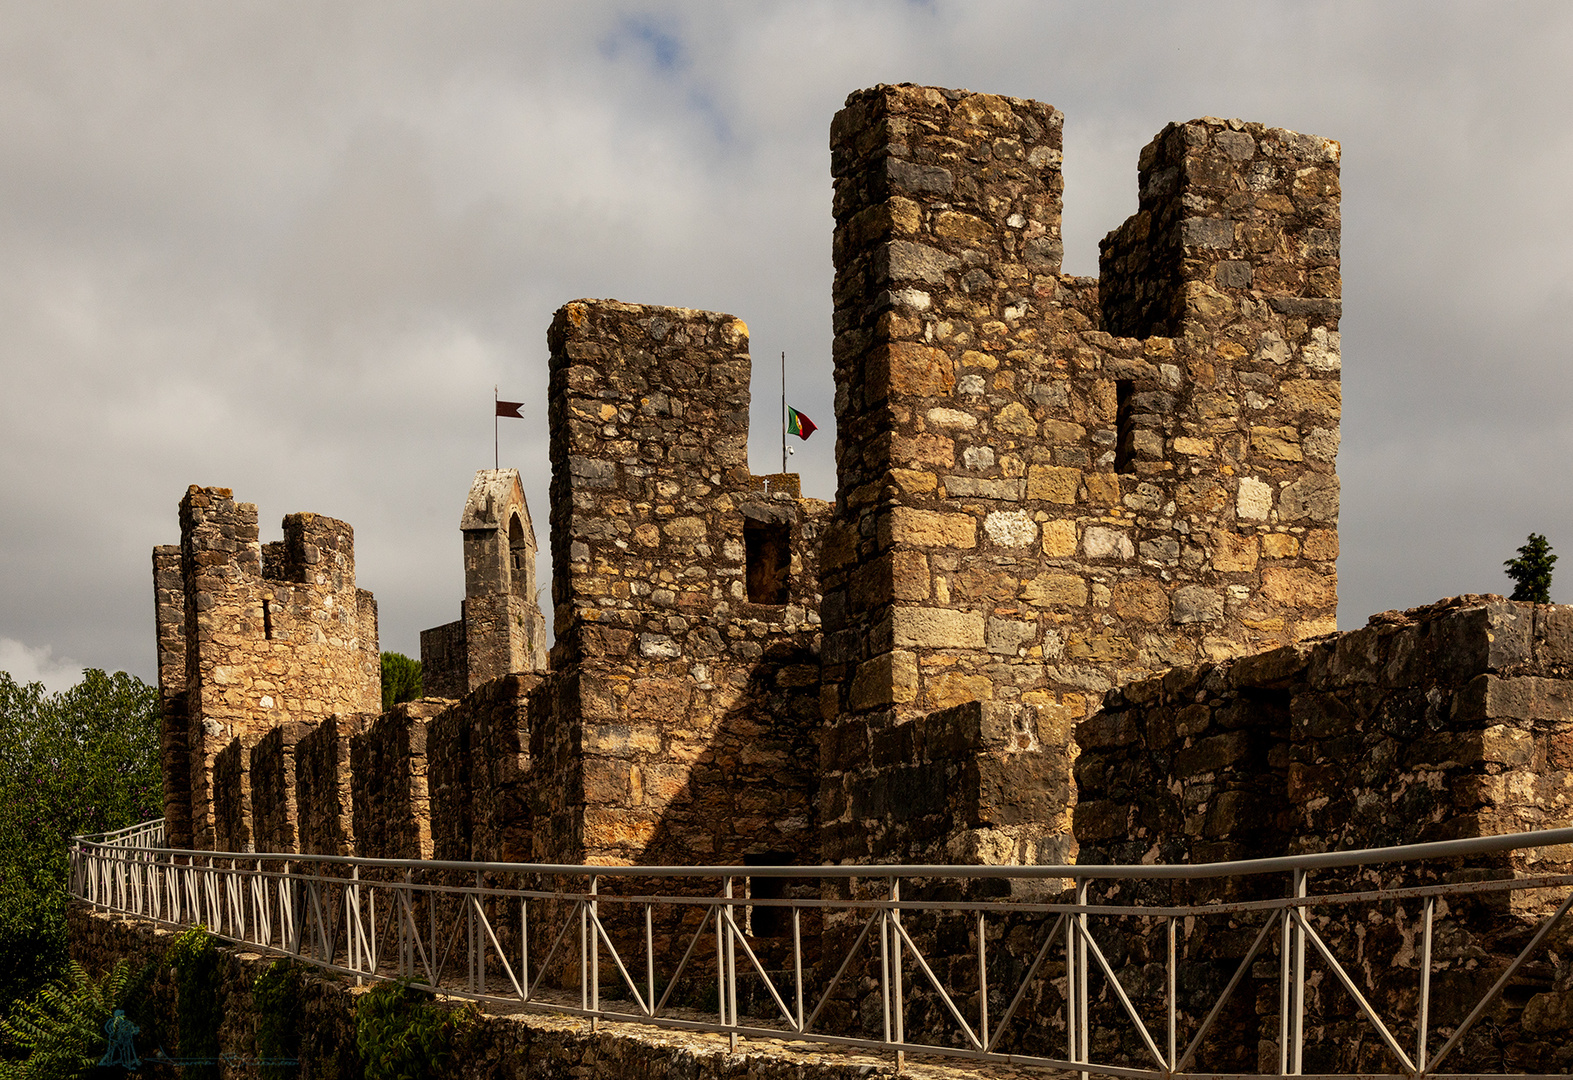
point(769, 921)
point(1125, 426)
point(768, 550)
point(267, 620)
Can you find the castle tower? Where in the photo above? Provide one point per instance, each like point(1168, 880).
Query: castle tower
point(265, 634)
point(1050, 485)
point(679, 715)
point(500, 629)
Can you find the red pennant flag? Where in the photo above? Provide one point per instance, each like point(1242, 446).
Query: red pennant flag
point(799, 425)
point(509, 408)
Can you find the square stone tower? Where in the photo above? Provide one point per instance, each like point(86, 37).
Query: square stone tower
point(262, 635)
point(1050, 485)
point(500, 629)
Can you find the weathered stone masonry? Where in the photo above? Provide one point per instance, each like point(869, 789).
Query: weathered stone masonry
point(500, 629)
point(1074, 516)
point(1032, 510)
point(268, 634)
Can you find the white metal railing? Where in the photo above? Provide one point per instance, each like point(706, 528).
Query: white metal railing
point(149, 834)
point(466, 928)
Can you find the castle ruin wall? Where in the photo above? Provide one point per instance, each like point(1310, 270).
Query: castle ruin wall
point(1031, 510)
point(258, 651)
point(324, 787)
point(275, 820)
point(665, 753)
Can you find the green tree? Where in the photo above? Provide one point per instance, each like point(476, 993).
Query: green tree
point(401, 679)
point(1531, 571)
point(58, 1032)
point(84, 760)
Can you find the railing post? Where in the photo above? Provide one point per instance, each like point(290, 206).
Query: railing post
point(1423, 1022)
point(1070, 984)
point(731, 970)
point(595, 952)
point(797, 961)
point(584, 958)
point(1084, 1029)
point(983, 983)
point(720, 958)
point(479, 908)
point(1299, 978)
point(1174, 998)
point(884, 966)
point(895, 970)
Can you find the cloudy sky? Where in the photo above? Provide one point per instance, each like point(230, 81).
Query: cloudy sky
point(290, 249)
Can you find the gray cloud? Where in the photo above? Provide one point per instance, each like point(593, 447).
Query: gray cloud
point(290, 249)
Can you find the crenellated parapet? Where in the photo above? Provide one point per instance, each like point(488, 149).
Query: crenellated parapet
point(1031, 508)
point(266, 634)
point(1048, 487)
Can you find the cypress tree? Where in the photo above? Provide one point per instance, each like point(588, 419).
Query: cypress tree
point(1531, 571)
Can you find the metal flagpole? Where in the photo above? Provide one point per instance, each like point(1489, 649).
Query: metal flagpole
point(783, 414)
point(496, 457)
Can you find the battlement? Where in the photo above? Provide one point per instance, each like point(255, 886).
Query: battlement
point(1077, 588)
point(1031, 509)
point(264, 635)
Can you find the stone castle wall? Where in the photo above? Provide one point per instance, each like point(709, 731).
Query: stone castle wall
point(1433, 724)
point(666, 673)
point(1032, 510)
point(1443, 722)
point(389, 776)
point(1077, 588)
point(324, 787)
point(272, 634)
point(169, 616)
point(480, 772)
point(274, 797)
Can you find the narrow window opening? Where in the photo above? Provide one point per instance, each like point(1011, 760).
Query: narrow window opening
point(1125, 426)
point(765, 920)
point(516, 547)
point(267, 620)
point(768, 549)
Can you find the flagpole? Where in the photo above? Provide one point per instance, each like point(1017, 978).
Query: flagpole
point(783, 414)
point(496, 456)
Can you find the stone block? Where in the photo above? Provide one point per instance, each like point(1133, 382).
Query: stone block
point(888, 679)
point(1059, 538)
point(1101, 542)
point(937, 628)
point(1009, 636)
point(904, 367)
point(906, 527)
point(945, 691)
point(1049, 483)
point(1140, 600)
point(1051, 589)
point(1298, 587)
point(1010, 528)
point(1196, 604)
point(1313, 496)
point(1233, 552)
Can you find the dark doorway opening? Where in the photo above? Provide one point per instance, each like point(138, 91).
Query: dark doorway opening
point(768, 547)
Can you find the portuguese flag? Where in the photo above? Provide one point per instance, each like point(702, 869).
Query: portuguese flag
point(799, 425)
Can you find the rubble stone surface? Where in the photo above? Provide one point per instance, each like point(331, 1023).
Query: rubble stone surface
point(1074, 599)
